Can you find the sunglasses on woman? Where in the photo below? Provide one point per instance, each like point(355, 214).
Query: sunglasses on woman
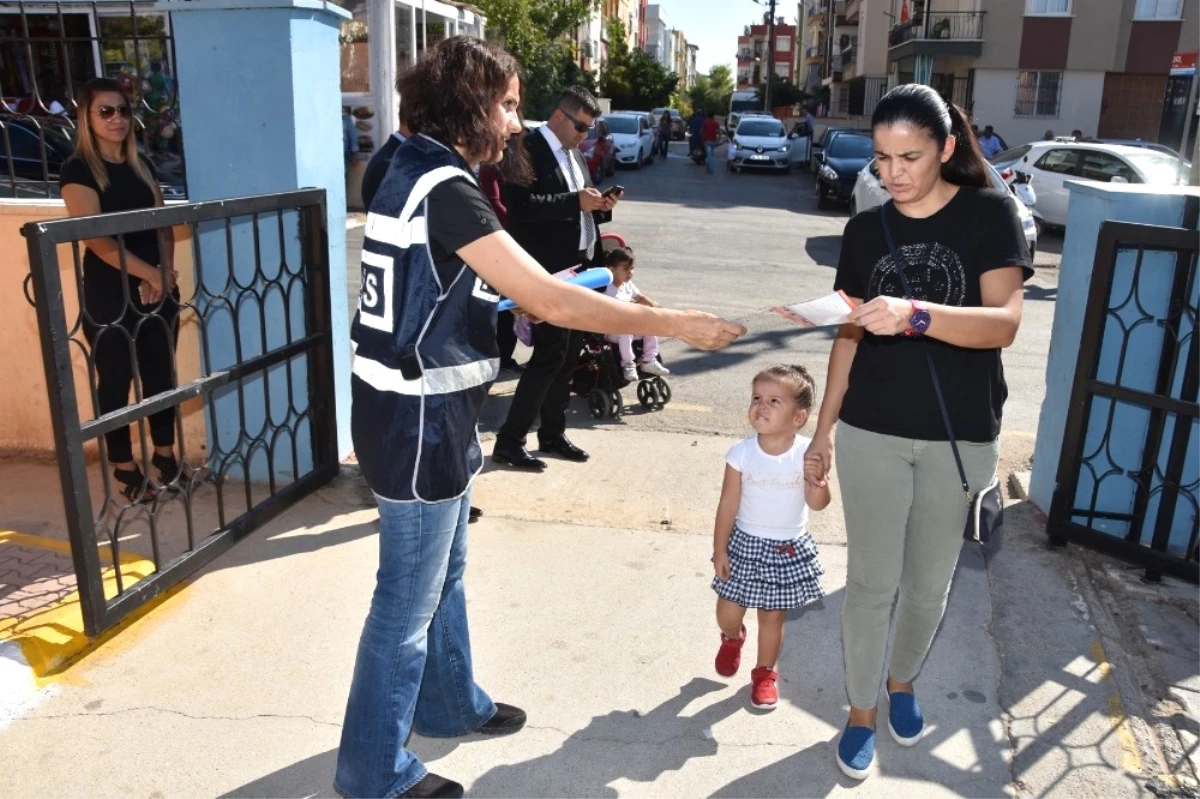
point(107, 112)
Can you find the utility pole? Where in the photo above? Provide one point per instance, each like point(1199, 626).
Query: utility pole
point(770, 55)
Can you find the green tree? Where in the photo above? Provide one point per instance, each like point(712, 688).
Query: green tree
point(632, 78)
point(535, 32)
point(711, 92)
point(783, 92)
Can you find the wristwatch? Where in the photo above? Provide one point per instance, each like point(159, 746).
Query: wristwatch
point(918, 323)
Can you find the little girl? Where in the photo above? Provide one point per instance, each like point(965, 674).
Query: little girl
point(620, 263)
point(763, 554)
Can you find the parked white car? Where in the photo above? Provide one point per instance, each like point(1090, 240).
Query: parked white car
point(760, 142)
point(1054, 163)
point(633, 138)
point(869, 192)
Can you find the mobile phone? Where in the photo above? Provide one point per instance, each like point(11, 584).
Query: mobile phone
point(611, 190)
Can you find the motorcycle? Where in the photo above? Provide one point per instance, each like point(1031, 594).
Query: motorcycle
point(1021, 184)
point(697, 152)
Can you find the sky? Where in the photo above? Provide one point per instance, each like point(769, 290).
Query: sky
point(714, 25)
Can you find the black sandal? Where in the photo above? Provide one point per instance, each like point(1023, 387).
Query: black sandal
point(136, 487)
point(168, 468)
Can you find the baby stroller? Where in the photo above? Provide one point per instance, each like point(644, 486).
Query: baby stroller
point(598, 376)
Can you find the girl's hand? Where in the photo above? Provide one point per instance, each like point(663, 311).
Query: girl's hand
point(820, 452)
point(721, 565)
point(883, 316)
point(814, 472)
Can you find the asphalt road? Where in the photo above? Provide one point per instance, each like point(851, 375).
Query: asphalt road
point(736, 245)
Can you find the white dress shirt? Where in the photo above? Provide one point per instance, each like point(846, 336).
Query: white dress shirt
point(574, 178)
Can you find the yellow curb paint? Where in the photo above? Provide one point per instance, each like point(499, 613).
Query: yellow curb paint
point(52, 637)
point(61, 547)
point(683, 406)
point(1131, 759)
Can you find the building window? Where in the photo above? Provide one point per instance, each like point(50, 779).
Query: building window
point(783, 43)
point(1158, 9)
point(1054, 8)
point(784, 71)
point(1038, 94)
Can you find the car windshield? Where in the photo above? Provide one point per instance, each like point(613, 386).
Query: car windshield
point(760, 127)
point(744, 105)
point(1158, 168)
point(1008, 156)
point(622, 124)
point(852, 147)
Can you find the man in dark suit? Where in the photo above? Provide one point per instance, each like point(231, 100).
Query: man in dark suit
point(377, 167)
point(556, 219)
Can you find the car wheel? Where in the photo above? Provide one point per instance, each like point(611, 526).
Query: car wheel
point(787, 170)
point(822, 198)
point(853, 207)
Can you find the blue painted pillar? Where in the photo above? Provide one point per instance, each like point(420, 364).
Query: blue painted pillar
point(1091, 205)
point(260, 105)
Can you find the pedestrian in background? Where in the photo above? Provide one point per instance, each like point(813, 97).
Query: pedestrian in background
point(990, 143)
point(377, 167)
point(556, 218)
point(129, 292)
point(710, 131)
point(961, 247)
point(664, 133)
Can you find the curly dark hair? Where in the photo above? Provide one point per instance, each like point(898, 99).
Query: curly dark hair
point(451, 92)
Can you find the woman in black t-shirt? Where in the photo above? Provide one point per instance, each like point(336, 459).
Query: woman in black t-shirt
point(964, 257)
point(123, 302)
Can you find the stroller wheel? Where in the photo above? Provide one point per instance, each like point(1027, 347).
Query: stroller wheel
point(645, 393)
point(664, 390)
point(618, 403)
point(599, 403)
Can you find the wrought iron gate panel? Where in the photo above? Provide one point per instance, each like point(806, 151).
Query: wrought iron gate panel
point(1128, 477)
point(274, 376)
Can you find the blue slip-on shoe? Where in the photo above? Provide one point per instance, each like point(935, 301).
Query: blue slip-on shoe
point(905, 721)
point(856, 752)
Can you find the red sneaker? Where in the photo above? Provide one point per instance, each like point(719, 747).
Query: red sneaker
point(729, 656)
point(763, 694)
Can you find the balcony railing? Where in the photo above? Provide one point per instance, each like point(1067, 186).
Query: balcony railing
point(938, 25)
point(852, 9)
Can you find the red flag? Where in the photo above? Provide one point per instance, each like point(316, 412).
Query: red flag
point(904, 11)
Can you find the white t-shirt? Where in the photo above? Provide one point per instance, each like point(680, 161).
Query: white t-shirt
point(626, 292)
point(773, 503)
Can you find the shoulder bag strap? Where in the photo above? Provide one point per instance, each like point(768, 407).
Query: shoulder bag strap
point(937, 385)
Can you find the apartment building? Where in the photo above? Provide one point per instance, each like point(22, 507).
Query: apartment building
point(846, 60)
point(632, 14)
point(590, 39)
point(689, 76)
point(658, 41)
point(753, 55)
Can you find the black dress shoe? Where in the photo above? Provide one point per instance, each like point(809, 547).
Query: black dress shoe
point(508, 719)
point(473, 515)
point(564, 449)
point(431, 785)
point(518, 458)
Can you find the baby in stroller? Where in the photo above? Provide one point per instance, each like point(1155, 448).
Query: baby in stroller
point(620, 262)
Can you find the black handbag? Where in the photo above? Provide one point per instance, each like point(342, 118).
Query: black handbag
point(986, 507)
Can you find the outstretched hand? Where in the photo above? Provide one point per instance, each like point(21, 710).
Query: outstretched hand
point(708, 332)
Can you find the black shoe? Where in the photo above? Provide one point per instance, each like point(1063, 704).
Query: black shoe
point(564, 449)
point(473, 515)
point(513, 366)
point(518, 458)
point(431, 785)
point(508, 719)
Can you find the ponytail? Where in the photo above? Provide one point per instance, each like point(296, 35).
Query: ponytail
point(921, 106)
point(966, 167)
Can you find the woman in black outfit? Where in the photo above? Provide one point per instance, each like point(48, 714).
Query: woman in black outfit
point(129, 309)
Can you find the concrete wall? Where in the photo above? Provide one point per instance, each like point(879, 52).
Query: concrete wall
point(1092, 204)
point(874, 25)
point(996, 95)
point(1002, 26)
point(25, 426)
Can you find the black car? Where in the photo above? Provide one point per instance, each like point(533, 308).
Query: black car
point(820, 144)
point(841, 161)
point(21, 148)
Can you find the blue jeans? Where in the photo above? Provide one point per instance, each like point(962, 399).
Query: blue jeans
point(413, 670)
point(710, 154)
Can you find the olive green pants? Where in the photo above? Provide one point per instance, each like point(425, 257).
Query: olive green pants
point(905, 512)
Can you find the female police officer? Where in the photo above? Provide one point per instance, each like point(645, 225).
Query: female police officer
point(434, 258)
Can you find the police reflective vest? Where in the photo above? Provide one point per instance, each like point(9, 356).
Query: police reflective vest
point(425, 351)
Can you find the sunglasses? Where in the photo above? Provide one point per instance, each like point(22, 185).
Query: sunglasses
point(107, 112)
point(580, 127)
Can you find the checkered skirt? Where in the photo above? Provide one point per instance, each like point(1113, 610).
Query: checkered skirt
point(769, 574)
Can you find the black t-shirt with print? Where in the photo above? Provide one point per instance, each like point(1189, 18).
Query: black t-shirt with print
point(458, 214)
point(891, 391)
